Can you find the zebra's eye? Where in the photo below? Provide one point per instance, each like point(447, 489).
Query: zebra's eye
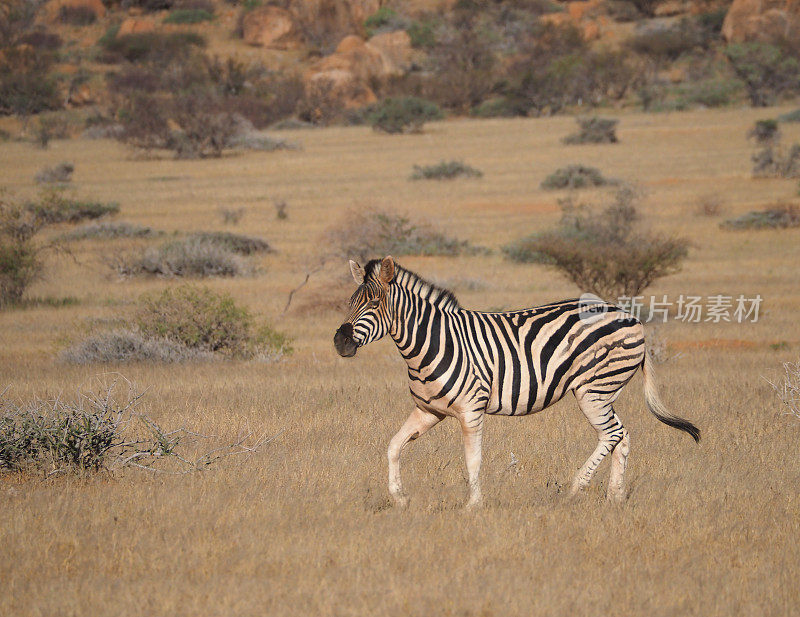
point(373, 303)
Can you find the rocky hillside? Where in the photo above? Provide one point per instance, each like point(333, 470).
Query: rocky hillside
point(317, 59)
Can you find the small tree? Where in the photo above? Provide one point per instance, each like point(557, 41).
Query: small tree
point(20, 262)
point(605, 253)
point(766, 70)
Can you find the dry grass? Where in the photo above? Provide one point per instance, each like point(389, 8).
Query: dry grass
point(304, 527)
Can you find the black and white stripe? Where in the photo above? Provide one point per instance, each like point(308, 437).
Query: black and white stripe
point(465, 364)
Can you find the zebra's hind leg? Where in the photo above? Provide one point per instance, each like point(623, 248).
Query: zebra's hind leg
point(418, 423)
point(599, 411)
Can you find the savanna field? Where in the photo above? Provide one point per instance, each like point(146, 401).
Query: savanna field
point(304, 525)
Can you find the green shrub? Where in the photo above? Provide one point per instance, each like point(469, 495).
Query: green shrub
point(204, 320)
point(150, 46)
point(777, 216)
point(236, 243)
point(712, 92)
point(403, 115)
point(109, 231)
point(445, 170)
point(500, 107)
point(20, 265)
point(54, 207)
point(575, 177)
point(383, 20)
point(774, 161)
point(365, 233)
point(764, 131)
point(791, 116)
point(665, 43)
point(188, 16)
point(605, 254)
point(594, 130)
point(768, 71)
point(76, 15)
point(422, 34)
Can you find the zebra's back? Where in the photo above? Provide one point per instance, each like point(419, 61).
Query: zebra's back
point(528, 359)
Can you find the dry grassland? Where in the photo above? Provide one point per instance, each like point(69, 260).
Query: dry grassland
point(305, 526)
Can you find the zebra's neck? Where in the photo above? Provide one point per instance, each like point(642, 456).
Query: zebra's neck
point(414, 288)
point(415, 304)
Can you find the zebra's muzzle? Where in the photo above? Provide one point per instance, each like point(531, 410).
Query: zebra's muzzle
point(344, 342)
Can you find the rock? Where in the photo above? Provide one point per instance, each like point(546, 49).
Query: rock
point(53, 8)
point(271, 27)
point(671, 8)
point(395, 47)
point(761, 20)
point(136, 25)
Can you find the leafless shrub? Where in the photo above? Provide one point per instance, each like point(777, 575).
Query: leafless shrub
point(103, 430)
point(369, 232)
point(777, 162)
point(127, 345)
point(257, 140)
point(594, 130)
point(788, 389)
point(709, 204)
point(281, 209)
point(231, 216)
point(236, 243)
point(61, 173)
point(183, 258)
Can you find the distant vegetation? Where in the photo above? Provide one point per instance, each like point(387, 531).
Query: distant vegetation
point(594, 130)
point(575, 177)
point(776, 216)
point(403, 115)
point(445, 170)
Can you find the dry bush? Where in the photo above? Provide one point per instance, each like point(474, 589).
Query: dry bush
point(666, 43)
point(182, 258)
point(594, 130)
point(445, 170)
point(231, 216)
point(160, 48)
point(777, 162)
point(61, 173)
point(605, 253)
point(368, 232)
point(128, 345)
point(235, 243)
point(788, 389)
point(709, 204)
point(322, 104)
point(108, 230)
point(102, 430)
point(575, 177)
point(332, 297)
point(781, 215)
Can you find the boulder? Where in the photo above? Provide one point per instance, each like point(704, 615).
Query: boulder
point(271, 27)
point(761, 20)
point(136, 25)
point(395, 48)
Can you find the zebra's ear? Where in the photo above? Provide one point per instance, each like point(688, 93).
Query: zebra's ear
point(357, 272)
point(387, 269)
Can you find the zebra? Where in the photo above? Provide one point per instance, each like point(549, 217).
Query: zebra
point(467, 364)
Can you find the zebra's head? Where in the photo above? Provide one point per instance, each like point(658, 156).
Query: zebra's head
point(370, 316)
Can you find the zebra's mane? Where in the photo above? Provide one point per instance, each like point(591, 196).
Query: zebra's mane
point(413, 282)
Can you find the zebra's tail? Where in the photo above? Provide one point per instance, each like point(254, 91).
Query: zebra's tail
point(655, 405)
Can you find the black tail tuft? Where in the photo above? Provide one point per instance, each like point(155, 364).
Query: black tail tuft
point(680, 424)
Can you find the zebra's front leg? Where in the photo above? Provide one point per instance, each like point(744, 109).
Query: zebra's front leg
point(418, 423)
point(472, 432)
